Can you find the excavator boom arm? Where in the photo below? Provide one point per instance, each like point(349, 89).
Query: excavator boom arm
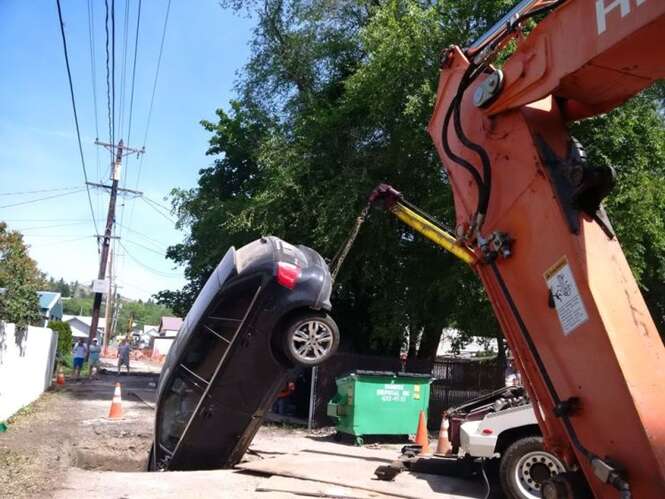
point(530, 207)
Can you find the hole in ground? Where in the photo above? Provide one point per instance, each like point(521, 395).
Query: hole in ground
point(89, 459)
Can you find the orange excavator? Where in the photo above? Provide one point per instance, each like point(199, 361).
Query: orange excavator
point(530, 221)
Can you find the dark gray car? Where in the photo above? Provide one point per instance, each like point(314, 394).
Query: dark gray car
point(262, 311)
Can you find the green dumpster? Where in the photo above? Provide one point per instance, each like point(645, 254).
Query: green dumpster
point(379, 403)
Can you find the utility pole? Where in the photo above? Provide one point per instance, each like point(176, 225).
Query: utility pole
point(108, 310)
point(120, 151)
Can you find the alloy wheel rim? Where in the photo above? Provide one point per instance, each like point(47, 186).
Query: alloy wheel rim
point(312, 340)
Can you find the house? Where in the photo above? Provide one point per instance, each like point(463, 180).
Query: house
point(169, 326)
point(146, 335)
point(452, 345)
point(50, 306)
point(80, 325)
point(166, 333)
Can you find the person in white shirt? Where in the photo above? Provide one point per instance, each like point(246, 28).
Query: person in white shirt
point(78, 356)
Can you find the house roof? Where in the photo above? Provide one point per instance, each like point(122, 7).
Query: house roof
point(47, 299)
point(170, 323)
point(85, 319)
point(147, 328)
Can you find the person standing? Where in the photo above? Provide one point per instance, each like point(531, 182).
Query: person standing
point(93, 357)
point(123, 355)
point(78, 356)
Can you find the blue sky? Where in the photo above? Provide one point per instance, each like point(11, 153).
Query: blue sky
point(204, 49)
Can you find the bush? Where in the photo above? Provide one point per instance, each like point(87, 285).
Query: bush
point(64, 337)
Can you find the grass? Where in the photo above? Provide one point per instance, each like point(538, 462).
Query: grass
point(26, 410)
point(65, 362)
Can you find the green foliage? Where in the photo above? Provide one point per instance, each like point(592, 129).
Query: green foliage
point(65, 338)
point(334, 100)
point(142, 313)
point(20, 278)
point(66, 289)
point(77, 306)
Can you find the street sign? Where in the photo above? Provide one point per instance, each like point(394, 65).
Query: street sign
point(100, 286)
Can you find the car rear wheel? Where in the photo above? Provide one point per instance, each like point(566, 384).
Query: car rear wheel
point(311, 339)
point(525, 465)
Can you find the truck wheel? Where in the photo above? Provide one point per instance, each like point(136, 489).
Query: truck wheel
point(525, 465)
point(311, 339)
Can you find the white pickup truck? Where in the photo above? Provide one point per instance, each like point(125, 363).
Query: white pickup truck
point(503, 426)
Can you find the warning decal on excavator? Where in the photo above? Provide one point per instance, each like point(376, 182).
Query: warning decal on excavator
point(566, 297)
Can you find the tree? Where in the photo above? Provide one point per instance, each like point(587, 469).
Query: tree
point(334, 100)
point(77, 306)
point(141, 313)
point(20, 278)
point(64, 336)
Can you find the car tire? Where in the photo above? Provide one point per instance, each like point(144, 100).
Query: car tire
point(310, 339)
point(525, 465)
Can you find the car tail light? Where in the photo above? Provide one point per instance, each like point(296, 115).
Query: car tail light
point(487, 431)
point(288, 274)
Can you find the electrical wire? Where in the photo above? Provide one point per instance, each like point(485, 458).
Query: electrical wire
point(18, 220)
point(123, 74)
point(113, 70)
point(40, 191)
point(93, 66)
point(149, 203)
point(138, 233)
point(54, 243)
point(69, 224)
point(129, 125)
point(154, 88)
point(108, 78)
point(76, 119)
point(147, 267)
point(36, 200)
point(157, 203)
point(147, 248)
point(485, 479)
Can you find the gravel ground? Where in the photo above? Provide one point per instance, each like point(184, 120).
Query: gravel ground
point(67, 427)
point(64, 442)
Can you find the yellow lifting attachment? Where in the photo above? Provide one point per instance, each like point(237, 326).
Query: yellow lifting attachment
point(394, 202)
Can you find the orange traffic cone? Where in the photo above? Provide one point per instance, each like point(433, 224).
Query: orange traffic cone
point(116, 404)
point(422, 438)
point(60, 378)
point(443, 445)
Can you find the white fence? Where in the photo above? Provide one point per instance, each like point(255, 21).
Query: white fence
point(26, 365)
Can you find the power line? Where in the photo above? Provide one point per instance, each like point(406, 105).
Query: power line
point(158, 204)
point(141, 234)
point(93, 69)
point(54, 243)
point(113, 68)
point(58, 236)
point(155, 208)
point(40, 190)
point(108, 77)
point(154, 87)
point(147, 248)
point(17, 220)
point(76, 119)
point(147, 267)
point(69, 224)
point(129, 126)
point(123, 74)
point(131, 98)
point(36, 200)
